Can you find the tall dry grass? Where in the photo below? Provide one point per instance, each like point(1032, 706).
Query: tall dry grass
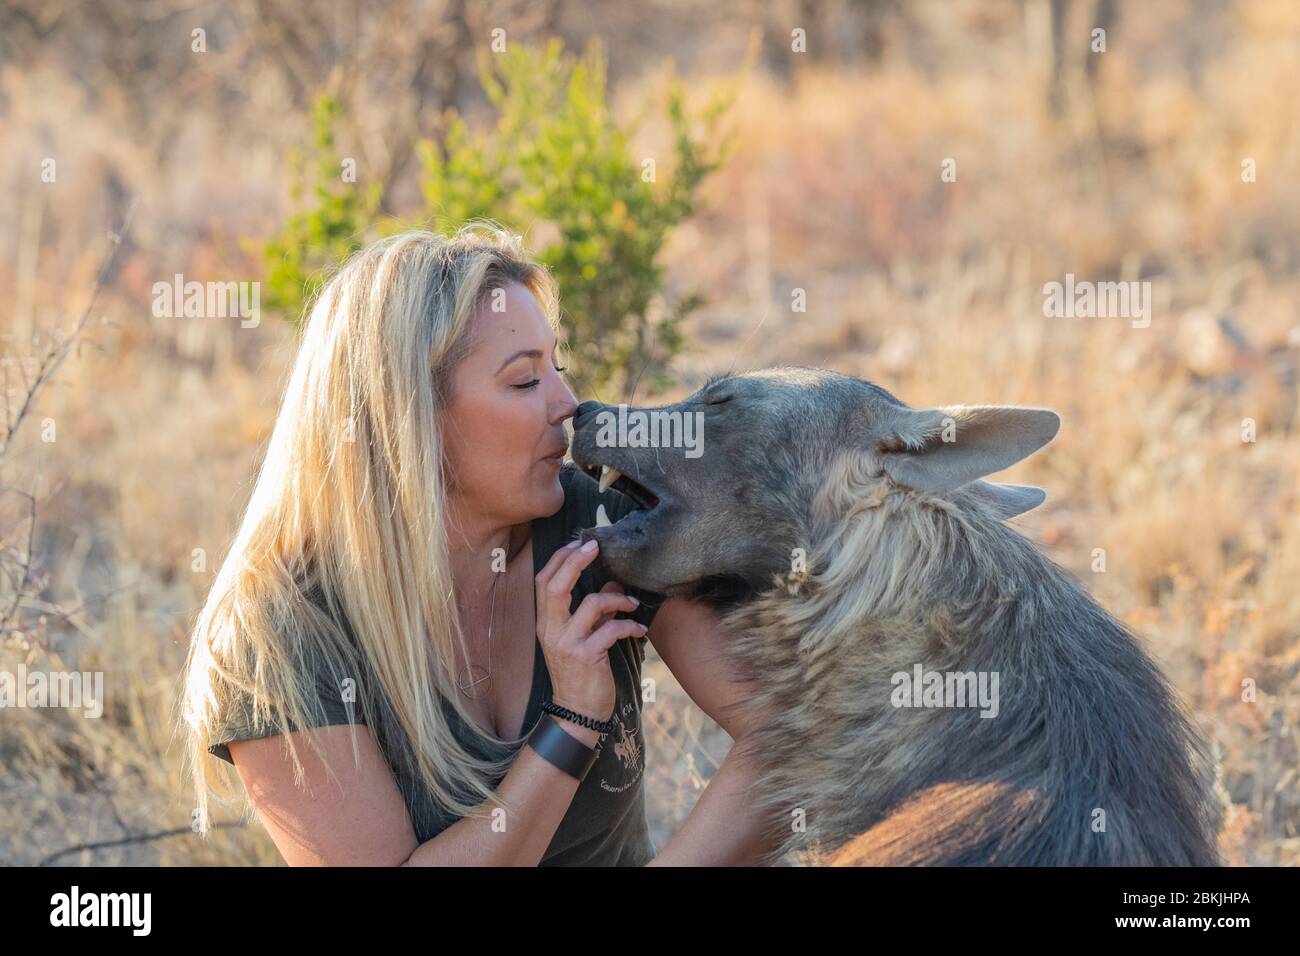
point(930, 289)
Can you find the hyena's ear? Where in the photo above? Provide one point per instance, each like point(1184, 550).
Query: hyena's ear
point(1007, 501)
point(940, 449)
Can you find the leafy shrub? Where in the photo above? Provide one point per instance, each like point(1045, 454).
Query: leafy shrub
point(558, 165)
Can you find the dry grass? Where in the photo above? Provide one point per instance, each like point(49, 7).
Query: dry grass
point(930, 289)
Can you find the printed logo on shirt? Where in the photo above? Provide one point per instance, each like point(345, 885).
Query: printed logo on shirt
point(628, 751)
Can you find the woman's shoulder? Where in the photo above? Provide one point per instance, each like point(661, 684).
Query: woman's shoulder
point(328, 686)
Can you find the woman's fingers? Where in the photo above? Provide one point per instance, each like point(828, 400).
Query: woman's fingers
point(611, 587)
point(603, 638)
point(544, 576)
point(577, 646)
point(542, 579)
point(559, 589)
point(595, 607)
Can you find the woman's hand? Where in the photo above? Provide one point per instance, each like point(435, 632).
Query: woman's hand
point(576, 647)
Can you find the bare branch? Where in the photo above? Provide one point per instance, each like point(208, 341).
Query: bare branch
point(128, 841)
point(57, 352)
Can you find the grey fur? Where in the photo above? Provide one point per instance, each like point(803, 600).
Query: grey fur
point(1088, 732)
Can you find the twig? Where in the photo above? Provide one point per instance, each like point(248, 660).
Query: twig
point(141, 838)
point(25, 562)
point(54, 357)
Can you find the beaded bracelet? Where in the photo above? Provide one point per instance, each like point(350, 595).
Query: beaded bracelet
point(601, 726)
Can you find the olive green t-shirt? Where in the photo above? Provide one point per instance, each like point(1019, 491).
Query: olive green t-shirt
point(605, 824)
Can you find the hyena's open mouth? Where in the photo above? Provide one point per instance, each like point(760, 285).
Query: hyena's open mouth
point(607, 478)
point(637, 548)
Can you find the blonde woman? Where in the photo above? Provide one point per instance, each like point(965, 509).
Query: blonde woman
point(404, 595)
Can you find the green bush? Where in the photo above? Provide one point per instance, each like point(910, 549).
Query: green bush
point(316, 238)
point(556, 165)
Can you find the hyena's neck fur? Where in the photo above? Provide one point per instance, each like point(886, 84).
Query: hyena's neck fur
point(1086, 722)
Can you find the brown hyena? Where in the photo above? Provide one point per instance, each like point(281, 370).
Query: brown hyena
point(873, 597)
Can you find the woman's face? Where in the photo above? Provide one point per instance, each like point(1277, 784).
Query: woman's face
point(504, 425)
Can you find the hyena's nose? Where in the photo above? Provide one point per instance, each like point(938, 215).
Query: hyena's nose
point(585, 409)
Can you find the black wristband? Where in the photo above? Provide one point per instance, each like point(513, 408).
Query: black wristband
point(558, 747)
point(582, 720)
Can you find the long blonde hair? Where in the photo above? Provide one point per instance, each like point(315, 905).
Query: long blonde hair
point(350, 502)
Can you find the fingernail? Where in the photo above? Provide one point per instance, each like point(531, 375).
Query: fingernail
point(571, 544)
point(633, 600)
point(589, 546)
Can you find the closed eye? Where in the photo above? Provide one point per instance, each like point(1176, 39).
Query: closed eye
point(537, 381)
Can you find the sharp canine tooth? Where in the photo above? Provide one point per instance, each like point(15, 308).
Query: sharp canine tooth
point(602, 519)
point(608, 476)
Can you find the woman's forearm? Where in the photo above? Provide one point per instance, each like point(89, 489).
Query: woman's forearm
point(724, 828)
point(540, 793)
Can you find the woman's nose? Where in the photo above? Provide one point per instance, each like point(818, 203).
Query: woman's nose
point(567, 405)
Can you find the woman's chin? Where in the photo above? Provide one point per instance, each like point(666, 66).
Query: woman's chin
point(549, 494)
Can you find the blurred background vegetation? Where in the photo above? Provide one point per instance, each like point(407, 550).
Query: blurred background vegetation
point(555, 160)
point(796, 213)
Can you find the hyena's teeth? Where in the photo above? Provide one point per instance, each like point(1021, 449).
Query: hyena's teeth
point(608, 476)
point(602, 519)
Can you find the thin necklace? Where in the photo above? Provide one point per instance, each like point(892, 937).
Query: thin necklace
point(471, 667)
